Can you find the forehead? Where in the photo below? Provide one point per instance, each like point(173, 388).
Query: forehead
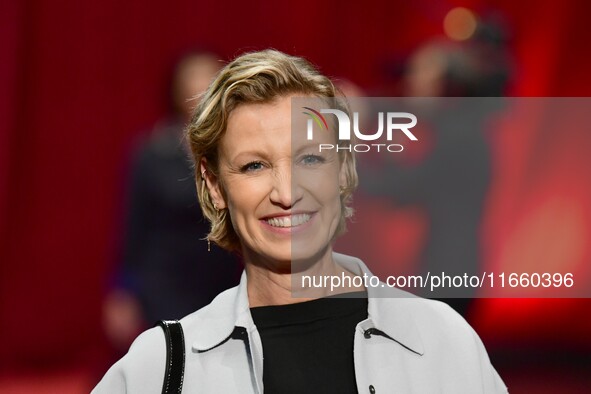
point(256, 118)
point(266, 127)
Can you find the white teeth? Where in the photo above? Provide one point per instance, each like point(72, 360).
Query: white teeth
point(289, 221)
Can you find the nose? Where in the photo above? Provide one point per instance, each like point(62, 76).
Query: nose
point(285, 191)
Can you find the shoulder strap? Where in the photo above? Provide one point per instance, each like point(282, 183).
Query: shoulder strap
point(175, 356)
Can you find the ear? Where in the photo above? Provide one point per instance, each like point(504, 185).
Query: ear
point(213, 185)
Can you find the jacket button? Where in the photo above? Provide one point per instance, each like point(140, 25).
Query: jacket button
point(372, 389)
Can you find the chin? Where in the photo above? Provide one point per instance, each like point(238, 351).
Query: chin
point(292, 259)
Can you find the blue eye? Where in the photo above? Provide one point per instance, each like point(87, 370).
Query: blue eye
point(312, 159)
point(252, 166)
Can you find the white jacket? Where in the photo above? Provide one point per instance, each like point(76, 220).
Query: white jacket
point(431, 349)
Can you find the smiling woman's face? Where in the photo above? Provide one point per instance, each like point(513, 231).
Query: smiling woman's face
point(281, 193)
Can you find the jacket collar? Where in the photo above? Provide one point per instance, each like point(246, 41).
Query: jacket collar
point(215, 323)
point(389, 310)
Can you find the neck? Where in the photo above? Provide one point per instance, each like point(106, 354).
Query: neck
point(270, 287)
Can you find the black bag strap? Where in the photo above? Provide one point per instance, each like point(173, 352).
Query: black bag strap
point(175, 356)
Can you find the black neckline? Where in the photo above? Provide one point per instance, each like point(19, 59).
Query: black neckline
point(309, 311)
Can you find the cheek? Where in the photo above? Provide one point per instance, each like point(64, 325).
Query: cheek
point(244, 196)
point(325, 190)
point(240, 210)
point(324, 184)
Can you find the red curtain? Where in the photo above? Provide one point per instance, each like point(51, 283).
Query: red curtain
point(79, 80)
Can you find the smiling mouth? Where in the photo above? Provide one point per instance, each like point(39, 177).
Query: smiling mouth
point(289, 221)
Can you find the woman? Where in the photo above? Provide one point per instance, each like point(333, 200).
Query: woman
point(276, 200)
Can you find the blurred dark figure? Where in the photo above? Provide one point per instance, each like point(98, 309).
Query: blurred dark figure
point(451, 181)
point(167, 271)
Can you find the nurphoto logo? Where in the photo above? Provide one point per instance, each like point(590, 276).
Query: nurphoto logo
point(395, 121)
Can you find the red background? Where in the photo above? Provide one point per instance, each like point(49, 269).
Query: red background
point(80, 80)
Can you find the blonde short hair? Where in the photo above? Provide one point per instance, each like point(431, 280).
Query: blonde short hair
point(257, 77)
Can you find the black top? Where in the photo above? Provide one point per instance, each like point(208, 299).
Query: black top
point(308, 347)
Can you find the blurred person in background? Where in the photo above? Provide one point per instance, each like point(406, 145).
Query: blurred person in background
point(167, 273)
point(451, 179)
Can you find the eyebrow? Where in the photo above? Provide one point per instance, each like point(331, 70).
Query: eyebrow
point(254, 153)
point(309, 145)
point(249, 153)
